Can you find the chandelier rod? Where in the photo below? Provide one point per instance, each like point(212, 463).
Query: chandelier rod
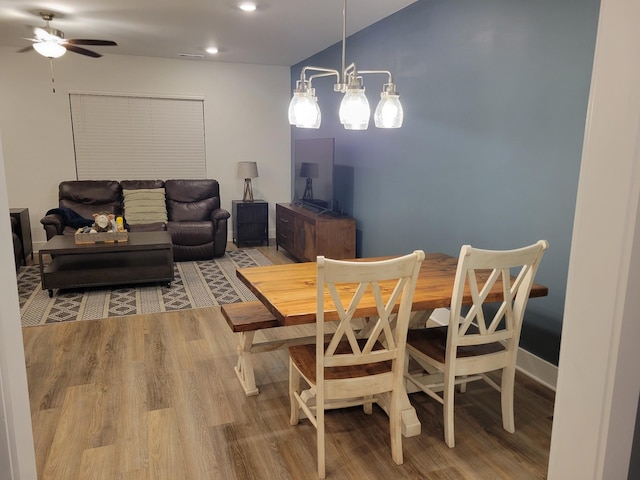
point(344, 40)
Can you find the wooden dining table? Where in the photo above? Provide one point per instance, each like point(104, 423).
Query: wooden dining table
point(289, 293)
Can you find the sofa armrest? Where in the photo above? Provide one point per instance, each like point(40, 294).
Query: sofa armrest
point(219, 214)
point(219, 219)
point(53, 225)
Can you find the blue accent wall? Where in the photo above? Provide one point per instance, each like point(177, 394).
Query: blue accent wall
point(495, 98)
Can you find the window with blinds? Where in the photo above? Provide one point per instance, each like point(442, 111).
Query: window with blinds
point(133, 138)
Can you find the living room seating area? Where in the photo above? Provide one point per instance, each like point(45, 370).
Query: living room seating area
point(188, 209)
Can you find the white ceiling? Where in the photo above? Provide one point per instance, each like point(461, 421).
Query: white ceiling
point(279, 32)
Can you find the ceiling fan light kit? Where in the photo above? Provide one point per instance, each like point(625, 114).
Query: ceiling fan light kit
point(304, 111)
point(50, 42)
point(50, 49)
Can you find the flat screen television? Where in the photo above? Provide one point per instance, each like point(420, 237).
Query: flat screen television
point(313, 174)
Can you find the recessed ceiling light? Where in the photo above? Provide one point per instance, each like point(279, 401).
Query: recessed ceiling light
point(212, 50)
point(247, 6)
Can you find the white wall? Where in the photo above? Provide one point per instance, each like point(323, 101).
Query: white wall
point(598, 382)
point(17, 459)
point(245, 119)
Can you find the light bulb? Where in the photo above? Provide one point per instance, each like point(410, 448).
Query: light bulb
point(304, 111)
point(49, 49)
point(354, 109)
point(389, 112)
point(247, 6)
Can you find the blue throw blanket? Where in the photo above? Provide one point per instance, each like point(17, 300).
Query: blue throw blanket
point(71, 218)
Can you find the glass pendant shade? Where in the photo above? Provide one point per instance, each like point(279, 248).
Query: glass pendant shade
point(354, 109)
point(304, 111)
point(49, 49)
point(389, 112)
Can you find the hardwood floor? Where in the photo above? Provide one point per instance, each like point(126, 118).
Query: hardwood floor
point(155, 396)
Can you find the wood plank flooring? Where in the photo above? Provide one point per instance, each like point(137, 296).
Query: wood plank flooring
point(152, 397)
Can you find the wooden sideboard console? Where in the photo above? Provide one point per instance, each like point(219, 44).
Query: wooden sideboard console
point(305, 234)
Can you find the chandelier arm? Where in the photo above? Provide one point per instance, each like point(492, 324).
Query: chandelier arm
point(327, 72)
point(384, 72)
point(324, 74)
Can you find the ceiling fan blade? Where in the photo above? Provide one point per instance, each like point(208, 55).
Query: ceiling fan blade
point(80, 41)
point(25, 49)
point(82, 51)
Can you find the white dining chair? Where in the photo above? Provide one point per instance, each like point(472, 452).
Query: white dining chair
point(353, 368)
point(478, 339)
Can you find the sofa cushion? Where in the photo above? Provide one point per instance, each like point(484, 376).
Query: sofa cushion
point(138, 184)
point(86, 197)
point(191, 212)
point(187, 191)
point(145, 205)
point(148, 227)
point(190, 233)
point(192, 200)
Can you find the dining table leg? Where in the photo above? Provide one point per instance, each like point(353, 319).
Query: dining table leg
point(410, 425)
point(244, 366)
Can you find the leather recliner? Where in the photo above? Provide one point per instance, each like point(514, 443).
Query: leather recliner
point(17, 244)
point(197, 224)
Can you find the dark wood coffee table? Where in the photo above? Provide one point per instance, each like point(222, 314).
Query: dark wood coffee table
point(145, 258)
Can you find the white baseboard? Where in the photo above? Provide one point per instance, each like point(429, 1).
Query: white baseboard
point(537, 369)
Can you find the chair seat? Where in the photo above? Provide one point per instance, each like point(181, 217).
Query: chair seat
point(304, 357)
point(433, 343)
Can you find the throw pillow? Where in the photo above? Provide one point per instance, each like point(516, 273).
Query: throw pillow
point(145, 205)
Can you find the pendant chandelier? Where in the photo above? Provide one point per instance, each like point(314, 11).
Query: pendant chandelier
point(304, 111)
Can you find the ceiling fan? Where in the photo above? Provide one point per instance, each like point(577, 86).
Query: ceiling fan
point(50, 42)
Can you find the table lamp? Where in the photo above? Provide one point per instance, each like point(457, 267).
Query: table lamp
point(309, 171)
point(247, 170)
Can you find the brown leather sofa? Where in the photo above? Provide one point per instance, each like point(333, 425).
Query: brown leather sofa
point(197, 224)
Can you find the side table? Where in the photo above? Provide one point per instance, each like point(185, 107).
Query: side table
point(24, 231)
point(250, 222)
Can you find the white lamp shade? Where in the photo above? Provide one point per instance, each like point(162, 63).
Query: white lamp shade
point(49, 49)
point(247, 169)
point(304, 111)
point(389, 113)
point(354, 110)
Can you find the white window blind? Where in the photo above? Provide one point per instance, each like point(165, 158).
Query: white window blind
point(134, 138)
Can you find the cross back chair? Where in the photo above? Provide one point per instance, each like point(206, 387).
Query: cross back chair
point(477, 340)
point(354, 367)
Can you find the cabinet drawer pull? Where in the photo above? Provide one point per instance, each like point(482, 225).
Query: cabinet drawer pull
point(284, 220)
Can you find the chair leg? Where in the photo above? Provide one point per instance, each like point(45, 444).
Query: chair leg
point(368, 406)
point(294, 386)
point(320, 440)
point(395, 428)
point(506, 398)
point(448, 413)
point(463, 386)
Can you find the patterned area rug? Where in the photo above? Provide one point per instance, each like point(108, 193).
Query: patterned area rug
point(196, 285)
